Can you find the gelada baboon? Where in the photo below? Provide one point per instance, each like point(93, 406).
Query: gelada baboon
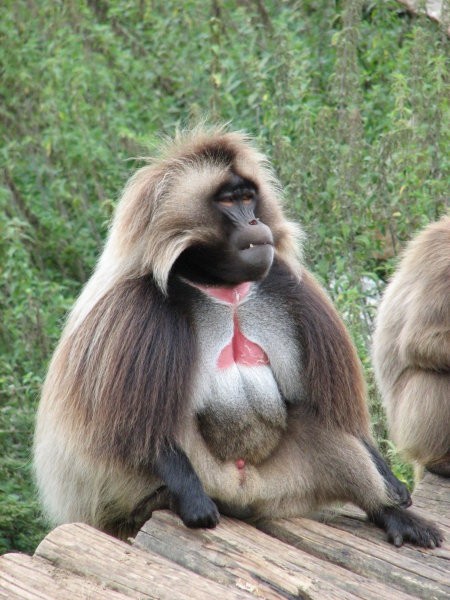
point(203, 368)
point(411, 350)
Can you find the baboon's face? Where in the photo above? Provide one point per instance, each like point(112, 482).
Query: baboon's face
point(244, 250)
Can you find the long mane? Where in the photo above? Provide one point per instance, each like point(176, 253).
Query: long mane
point(163, 211)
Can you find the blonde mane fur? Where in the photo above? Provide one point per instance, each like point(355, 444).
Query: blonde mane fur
point(159, 214)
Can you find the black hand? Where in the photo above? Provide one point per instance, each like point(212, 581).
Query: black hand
point(189, 499)
point(405, 526)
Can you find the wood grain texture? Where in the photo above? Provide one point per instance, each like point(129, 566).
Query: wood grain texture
point(86, 551)
point(25, 578)
point(431, 499)
point(237, 551)
point(372, 558)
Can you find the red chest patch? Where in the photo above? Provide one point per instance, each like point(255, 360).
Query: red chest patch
point(240, 350)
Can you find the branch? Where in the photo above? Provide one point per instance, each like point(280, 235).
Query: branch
point(434, 9)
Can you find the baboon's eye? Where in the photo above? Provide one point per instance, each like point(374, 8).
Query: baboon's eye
point(247, 196)
point(225, 200)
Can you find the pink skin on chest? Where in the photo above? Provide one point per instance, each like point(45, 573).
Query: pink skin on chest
point(240, 350)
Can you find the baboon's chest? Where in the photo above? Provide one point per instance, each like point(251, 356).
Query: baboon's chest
point(239, 403)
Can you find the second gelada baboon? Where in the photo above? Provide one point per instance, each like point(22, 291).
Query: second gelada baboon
point(411, 350)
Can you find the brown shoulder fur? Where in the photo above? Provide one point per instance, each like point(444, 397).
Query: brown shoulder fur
point(126, 373)
point(335, 387)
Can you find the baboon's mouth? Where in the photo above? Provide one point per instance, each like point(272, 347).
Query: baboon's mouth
point(256, 245)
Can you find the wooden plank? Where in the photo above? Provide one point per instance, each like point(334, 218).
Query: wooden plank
point(357, 525)
point(434, 487)
point(373, 558)
point(432, 494)
point(25, 578)
point(236, 551)
point(137, 574)
point(430, 510)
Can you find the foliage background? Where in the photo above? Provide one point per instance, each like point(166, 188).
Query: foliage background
point(349, 99)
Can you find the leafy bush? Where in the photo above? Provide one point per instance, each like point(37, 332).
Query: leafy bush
point(350, 101)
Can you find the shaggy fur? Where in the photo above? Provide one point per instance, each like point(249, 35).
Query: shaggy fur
point(136, 411)
point(411, 348)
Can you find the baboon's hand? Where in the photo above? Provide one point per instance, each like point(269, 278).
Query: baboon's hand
point(405, 526)
point(197, 510)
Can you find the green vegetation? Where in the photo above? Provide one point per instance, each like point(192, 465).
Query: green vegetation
point(350, 100)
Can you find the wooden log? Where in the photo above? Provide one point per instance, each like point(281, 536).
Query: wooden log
point(434, 486)
point(134, 573)
point(354, 522)
point(25, 578)
point(235, 551)
point(431, 498)
point(406, 569)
